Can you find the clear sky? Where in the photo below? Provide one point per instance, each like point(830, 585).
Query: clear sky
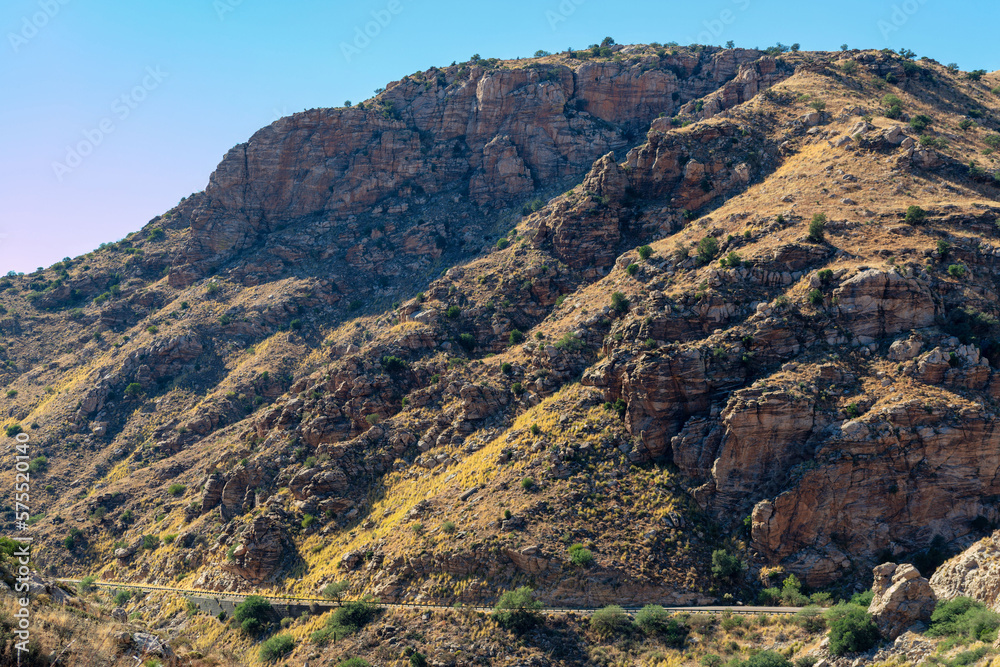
point(112, 110)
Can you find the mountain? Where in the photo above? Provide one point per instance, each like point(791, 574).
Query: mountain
point(652, 303)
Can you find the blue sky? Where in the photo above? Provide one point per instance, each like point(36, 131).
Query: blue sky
point(156, 92)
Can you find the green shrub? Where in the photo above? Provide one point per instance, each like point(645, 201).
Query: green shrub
point(276, 647)
point(506, 368)
point(38, 464)
point(308, 520)
point(915, 215)
point(335, 590)
point(707, 249)
point(253, 614)
point(176, 490)
point(725, 565)
point(825, 276)
point(619, 302)
point(516, 337)
point(418, 659)
point(14, 430)
point(517, 388)
point(732, 260)
point(610, 620)
point(863, 599)
point(132, 390)
point(354, 662)
point(964, 617)
point(816, 297)
point(580, 555)
point(517, 610)
point(502, 243)
point(956, 271)
point(121, 598)
point(992, 140)
point(645, 252)
point(453, 312)
point(150, 542)
point(817, 228)
point(632, 269)
point(86, 584)
point(527, 484)
point(467, 341)
point(920, 122)
point(393, 364)
point(811, 619)
point(851, 629)
point(448, 527)
point(711, 660)
point(767, 659)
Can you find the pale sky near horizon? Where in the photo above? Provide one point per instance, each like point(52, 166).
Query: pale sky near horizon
point(154, 94)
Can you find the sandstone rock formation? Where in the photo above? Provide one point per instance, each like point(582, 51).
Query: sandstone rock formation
point(902, 599)
point(973, 573)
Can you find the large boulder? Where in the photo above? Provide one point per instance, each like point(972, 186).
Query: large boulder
point(902, 599)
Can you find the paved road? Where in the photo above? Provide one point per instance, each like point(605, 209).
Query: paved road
point(321, 602)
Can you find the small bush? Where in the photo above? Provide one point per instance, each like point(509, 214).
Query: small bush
point(516, 337)
point(517, 610)
point(393, 364)
point(13, 430)
point(121, 598)
point(335, 590)
point(354, 662)
point(448, 527)
point(725, 565)
point(610, 620)
point(506, 368)
point(851, 629)
point(38, 464)
point(707, 249)
point(453, 312)
point(817, 228)
point(619, 302)
point(811, 619)
point(418, 659)
point(956, 271)
point(632, 269)
point(645, 252)
point(964, 617)
point(915, 215)
point(732, 260)
point(580, 555)
point(517, 388)
point(150, 542)
point(87, 584)
point(132, 390)
point(176, 490)
point(467, 341)
point(992, 140)
point(816, 297)
point(920, 122)
point(767, 659)
point(535, 429)
point(253, 614)
point(276, 647)
point(527, 484)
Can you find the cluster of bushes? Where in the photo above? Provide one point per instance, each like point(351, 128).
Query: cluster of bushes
point(964, 618)
point(347, 620)
point(652, 620)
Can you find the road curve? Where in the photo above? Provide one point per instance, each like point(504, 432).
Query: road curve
point(321, 602)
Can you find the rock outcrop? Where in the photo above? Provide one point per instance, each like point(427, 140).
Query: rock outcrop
point(974, 573)
point(902, 599)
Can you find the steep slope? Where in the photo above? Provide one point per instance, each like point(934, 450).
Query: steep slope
point(325, 366)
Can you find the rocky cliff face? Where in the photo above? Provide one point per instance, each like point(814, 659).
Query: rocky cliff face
point(428, 342)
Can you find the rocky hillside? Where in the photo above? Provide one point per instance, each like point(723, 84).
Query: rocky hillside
point(656, 301)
